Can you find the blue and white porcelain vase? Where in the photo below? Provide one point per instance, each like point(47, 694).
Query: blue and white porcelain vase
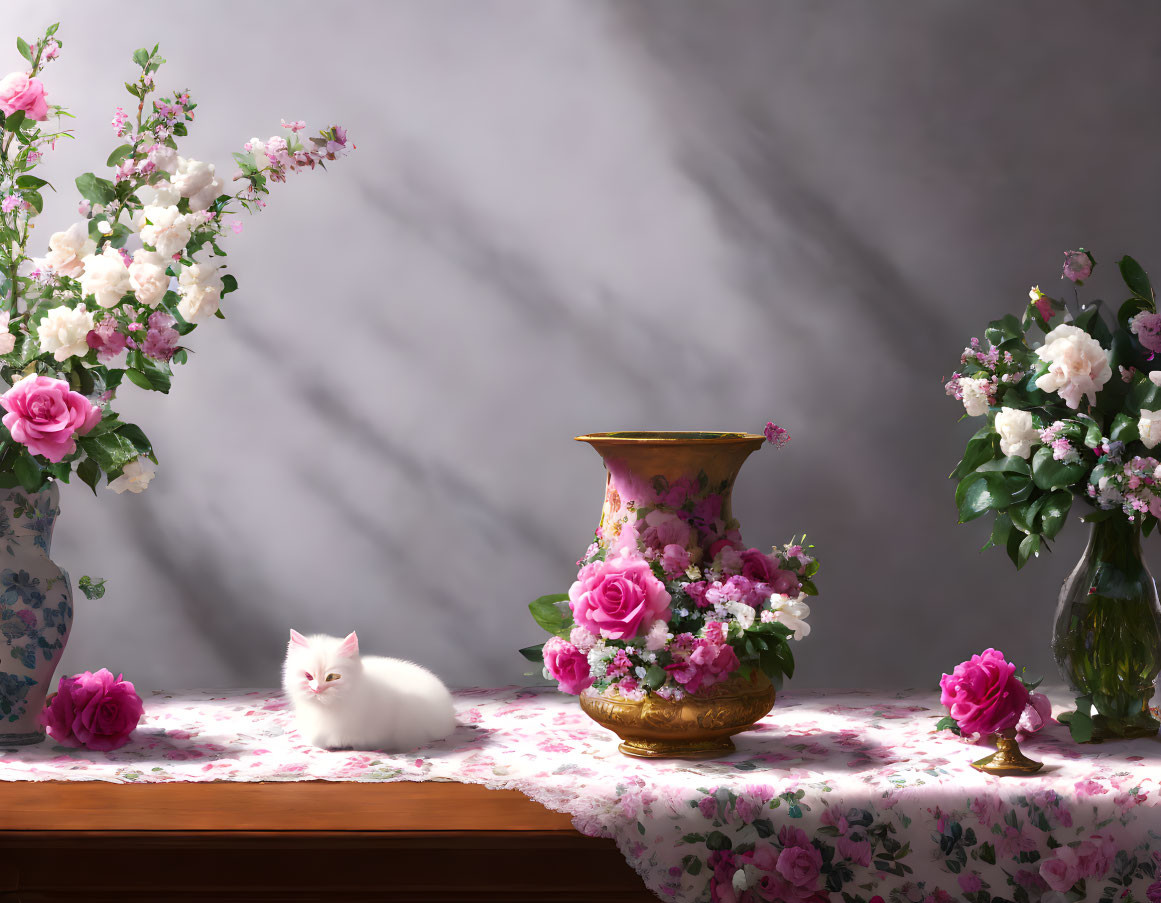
point(36, 611)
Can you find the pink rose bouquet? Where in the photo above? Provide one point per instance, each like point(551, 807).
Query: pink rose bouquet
point(97, 711)
point(109, 300)
point(983, 694)
point(669, 601)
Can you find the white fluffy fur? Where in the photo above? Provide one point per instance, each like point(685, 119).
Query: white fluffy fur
point(374, 703)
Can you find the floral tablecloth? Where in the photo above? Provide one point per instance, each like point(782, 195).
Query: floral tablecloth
point(842, 796)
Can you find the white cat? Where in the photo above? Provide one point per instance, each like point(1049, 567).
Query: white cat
point(344, 701)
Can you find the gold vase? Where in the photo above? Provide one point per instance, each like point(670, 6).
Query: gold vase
point(697, 727)
point(666, 473)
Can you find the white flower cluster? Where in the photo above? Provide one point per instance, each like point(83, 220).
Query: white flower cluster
point(1078, 365)
point(789, 612)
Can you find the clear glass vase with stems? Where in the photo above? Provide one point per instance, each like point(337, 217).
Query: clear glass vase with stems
point(1107, 636)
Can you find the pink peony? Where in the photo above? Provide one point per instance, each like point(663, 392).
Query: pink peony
point(1078, 265)
point(1146, 326)
point(97, 711)
point(618, 597)
point(983, 694)
point(19, 92)
point(44, 414)
point(758, 566)
point(708, 664)
point(568, 666)
point(663, 528)
point(1036, 714)
point(674, 560)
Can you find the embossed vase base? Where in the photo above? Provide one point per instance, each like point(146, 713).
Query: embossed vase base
point(696, 727)
point(1007, 760)
point(714, 749)
point(30, 739)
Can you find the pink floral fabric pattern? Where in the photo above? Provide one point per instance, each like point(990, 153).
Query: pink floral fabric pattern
point(842, 796)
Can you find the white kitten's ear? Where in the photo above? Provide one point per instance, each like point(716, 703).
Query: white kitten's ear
point(350, 646)
point(297, 639)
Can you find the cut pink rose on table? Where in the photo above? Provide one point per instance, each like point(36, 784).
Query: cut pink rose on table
point(95, 710)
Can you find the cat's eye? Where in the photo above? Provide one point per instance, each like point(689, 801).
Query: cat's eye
point(309, 676)
point(333, 677)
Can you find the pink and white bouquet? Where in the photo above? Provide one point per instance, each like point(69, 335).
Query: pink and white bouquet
point(670, 601)
point(112, 296)
point(1076, 414)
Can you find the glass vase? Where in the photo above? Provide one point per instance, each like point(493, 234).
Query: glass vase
point(1107, 637)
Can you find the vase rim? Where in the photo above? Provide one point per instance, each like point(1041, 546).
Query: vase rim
point(671, 437)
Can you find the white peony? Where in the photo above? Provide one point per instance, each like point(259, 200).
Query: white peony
point(1078, 365)
point(1155, 377)
point(1149, 426)
point(148, 277)
point(67, 250)
point(975, 398)
point(135, 476)
point(1017, 432)
point(196, 180)
point(7, 339)
point(163, 194)
point(63, 332)
point(164, 158)
point(743, 613)
point(166, 229)
point(200, 287)
point(106, 277)
point(792, 613)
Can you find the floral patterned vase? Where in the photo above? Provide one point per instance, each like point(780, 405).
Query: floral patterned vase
point(1107, 637)
point(663, 487)
point(36, 611)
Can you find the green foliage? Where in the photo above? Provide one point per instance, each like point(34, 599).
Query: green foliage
point(96, 190)
point(93, 589)
point(533, 653)
point(552, 613)
point(1136, 279)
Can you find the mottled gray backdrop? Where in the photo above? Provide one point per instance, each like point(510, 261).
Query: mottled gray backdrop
point(576, 215)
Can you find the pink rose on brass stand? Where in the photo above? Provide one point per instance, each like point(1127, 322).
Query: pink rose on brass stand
point(985, 697)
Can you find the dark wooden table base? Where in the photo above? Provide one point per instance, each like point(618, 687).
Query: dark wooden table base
point(298, 842)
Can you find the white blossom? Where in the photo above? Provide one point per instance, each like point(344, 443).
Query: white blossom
point(7, 339)
point(148, 277)
point(975, 398)
point(166, 229)
point(63, 331)
point(1018, 434)
point(1078, 365)
point(1149, 426)
point(106, 277)
point(134, 477)
point(67, 251)
point(196, 180)
point(200, 287)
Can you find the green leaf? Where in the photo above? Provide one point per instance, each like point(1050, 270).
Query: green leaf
point(13, 121)
point(89, 473)
point(96, 190)
point(134, 434)
point(147, 373)
point(111, 451)
point(979, 492)
point(1010, 464)
point(551, 612)
point(655, 676)
point(27, 181)
point(1091, 321)
point(93, 589)
point(716, 840)
point(229, 284)
point(1054, 512)
point(23, 49)
point(1124, 429)
point(1048, 473)
point(947, 723)
point(534, 653)
point(1080, 722)
point(1135, 278)
point(141, 57)
point(27, 471)
point(1130, 309)
point(1024, 516)
point(1000, 530)
point(34, 198)
point(119, 154)
point(1093, 436)
point(980, 448)
point(1029, 546)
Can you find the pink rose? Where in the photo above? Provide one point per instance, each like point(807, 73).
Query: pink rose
point(44, 414)
point(674, 560)
point(800, 865)
point(758, 566)
point(1036, 714)
point(615, 598)
point(1078, 265)
point(983, 694)
point(97, 711)
point(1146, 326)
point(1094, 857)
point(568, 666)
point(719, 546)
point(19, 92)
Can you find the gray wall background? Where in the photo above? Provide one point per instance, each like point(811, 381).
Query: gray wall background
point(576, 215)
